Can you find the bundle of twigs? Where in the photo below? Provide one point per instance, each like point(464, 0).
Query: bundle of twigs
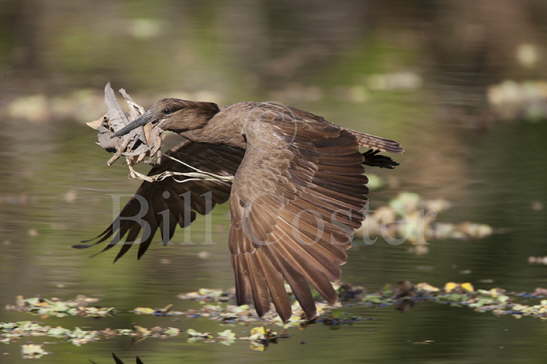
point(142, 144)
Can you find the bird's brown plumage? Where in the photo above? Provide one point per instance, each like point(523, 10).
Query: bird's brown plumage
point(297, 195)
point(181, 197)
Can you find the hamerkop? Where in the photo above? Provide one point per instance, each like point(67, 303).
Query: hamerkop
point(298, 193)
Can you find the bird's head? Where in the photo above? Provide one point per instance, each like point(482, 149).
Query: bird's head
point(174, 115)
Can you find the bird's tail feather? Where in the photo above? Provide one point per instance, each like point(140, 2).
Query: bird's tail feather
point(377, 143)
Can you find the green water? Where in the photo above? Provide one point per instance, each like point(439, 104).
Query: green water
point(492, 172)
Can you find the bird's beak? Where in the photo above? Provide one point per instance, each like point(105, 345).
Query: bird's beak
point(144, 119)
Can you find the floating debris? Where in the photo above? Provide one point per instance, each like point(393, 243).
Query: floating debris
point(208, 295)
point(165, 311)
point(335, 319)
point(196, 335)
point(394, 81)
point(540, 292)
point(154, 332)
point(408, 217)
point(79, 306)
point(458, 287)
point(11, 331)
point(33, 351)
point(231, 313)
point(426, 287)
point(537, 260)
point(348, 292)
point(226, 337)
point(496, 300)
point(511, 100)
point(260, 337)
point(402, 296)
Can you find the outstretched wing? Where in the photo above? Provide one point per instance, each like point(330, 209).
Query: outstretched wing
point(296, 199)
point(164, 204)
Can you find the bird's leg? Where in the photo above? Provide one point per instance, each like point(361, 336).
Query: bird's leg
point(372, 158)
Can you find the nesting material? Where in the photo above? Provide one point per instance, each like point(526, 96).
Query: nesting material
point(140, 145)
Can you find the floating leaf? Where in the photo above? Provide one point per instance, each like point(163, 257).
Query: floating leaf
point(172, 331)
point(196, 334)
point(144, 311)
point(466, 286)
point(79, 306)
point(450, 286)
point(413, 219)
point(426, 287)
point(33, 351)
point(226, 337)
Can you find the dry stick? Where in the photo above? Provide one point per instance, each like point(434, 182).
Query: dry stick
point(137, 175)
point(119, 152)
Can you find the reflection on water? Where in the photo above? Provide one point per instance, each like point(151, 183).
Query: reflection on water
point(329, 58)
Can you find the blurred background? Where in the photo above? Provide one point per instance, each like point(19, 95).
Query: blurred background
point(461, 84)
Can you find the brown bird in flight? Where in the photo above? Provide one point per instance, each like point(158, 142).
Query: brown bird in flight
point(297, 193)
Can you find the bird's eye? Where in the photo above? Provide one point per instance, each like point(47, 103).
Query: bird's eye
point(171, 109)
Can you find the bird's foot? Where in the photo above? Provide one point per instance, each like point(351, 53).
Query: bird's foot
point(372, 158)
